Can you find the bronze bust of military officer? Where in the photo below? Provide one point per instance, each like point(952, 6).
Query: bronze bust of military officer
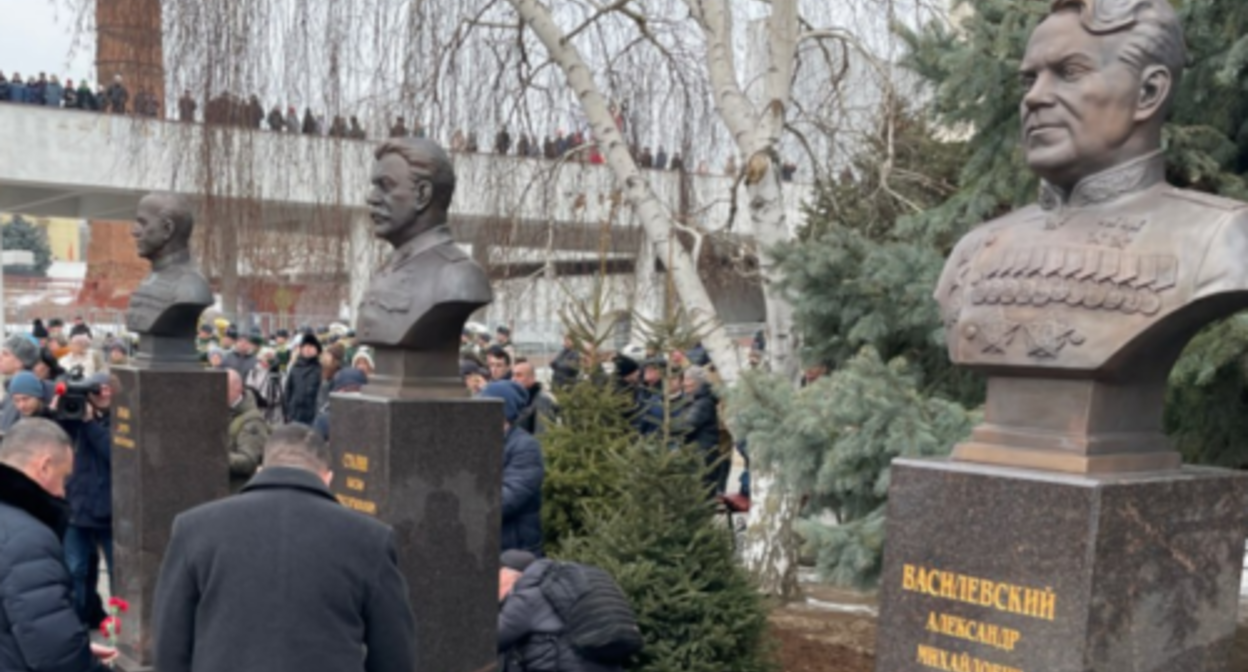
point(415, 307)
point(1077, 307)
point(165, 308)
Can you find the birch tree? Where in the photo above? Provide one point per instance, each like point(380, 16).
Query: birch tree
point(756, 128)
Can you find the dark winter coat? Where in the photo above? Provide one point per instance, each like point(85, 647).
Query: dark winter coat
point(90, 487)
point(282, 578)
point(539, 413)
point(565, 368)
point(117, 96)
point(303, 383)
point(86, 99)
point(39, 629)
point(523, 473)
point(17, 91)
point(530, 632)
point(698, 420)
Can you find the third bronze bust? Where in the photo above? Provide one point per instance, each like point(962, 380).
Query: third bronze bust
point(1077, 307)
point(415, 307)
point(164, 310)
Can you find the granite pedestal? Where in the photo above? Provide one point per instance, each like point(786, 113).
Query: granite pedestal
point(169, 455)
point(432, 469)
point(990, 569)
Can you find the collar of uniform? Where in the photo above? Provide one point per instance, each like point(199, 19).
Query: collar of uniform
point(426, 241)
point(168, 260)
point(1127, 178)
point(291, 478)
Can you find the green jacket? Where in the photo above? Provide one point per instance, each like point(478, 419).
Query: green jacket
point(248, 434)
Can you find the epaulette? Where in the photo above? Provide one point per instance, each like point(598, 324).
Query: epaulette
point(451, 252)
point(1207, 200)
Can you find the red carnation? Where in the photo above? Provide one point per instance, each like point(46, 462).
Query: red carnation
point(121, 605)
point(110, 626)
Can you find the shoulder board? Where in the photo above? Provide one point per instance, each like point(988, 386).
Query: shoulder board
point(451, 252)
point(1207, 200)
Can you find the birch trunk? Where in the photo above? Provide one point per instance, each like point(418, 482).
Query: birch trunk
point(650, 212)
point(771, 548)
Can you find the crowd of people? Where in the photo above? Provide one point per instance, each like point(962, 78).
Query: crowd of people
point(56, 418)
point(228, 109)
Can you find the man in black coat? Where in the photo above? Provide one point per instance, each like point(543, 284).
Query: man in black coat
point(303, 381)
point(39, 629)
point(282, 578)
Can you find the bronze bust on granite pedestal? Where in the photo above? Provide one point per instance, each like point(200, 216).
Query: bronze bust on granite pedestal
point(164, 310)
point(1077, 307)
point(415, 307)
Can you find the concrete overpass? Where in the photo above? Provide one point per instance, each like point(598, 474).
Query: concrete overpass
point(69, 163)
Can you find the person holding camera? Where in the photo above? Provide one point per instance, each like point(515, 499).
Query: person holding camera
point(83, 410)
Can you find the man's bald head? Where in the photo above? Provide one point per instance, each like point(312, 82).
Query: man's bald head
point(234, 385)
point(163, 225)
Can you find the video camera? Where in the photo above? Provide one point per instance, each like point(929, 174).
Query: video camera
point(72, 396)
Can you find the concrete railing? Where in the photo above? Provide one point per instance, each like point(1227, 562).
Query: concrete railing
point(71, 163)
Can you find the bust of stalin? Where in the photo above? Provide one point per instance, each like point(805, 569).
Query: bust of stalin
point(414, 309)
point(164, 310)
point(1077, 307)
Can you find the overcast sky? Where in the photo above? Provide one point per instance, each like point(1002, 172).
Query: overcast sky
point(38, 36)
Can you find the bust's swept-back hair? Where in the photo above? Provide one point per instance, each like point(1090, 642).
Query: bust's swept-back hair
point(1156, 34)
point(428, 161)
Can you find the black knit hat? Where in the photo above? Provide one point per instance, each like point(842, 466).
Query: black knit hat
point(625, 366)
point(517, 559)
point(310, 338)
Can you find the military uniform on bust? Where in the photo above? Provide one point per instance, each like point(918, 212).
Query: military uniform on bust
point(1077, 307)
point(165, 308)
point(414, 309)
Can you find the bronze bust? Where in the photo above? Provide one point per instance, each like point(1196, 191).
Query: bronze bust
point(165, 308)
point(1077, 307)
point(414, 309)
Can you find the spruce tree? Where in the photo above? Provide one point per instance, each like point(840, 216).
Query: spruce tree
point(697, 609)
point(583, 477)
point(21, 234)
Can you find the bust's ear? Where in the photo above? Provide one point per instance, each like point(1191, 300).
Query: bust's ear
point(167, 228)
point(1155, 83)
point(423, 194)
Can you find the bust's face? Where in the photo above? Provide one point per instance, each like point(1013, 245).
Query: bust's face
point(151, 231)
point(396, 200)
point(1080, 101)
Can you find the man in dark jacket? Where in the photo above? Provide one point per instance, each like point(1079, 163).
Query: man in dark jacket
point(565, 368)
point(303, 382)
point(117, 96)
point(39, 629)
point(186, 107)
point(523, 473)
point(529, 629)
point(260, 580)
point(90, 495)
point(698, 421)
point(539, 412)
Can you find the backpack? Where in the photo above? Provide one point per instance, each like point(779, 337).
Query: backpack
point(597, 619)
